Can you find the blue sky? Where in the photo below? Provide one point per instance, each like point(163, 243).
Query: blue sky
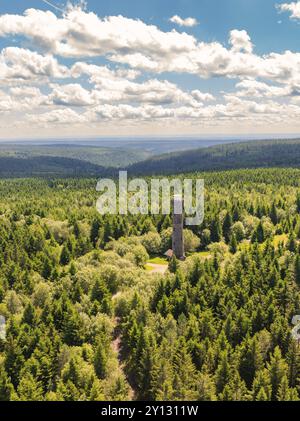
point(216, 17)
point(186, 90)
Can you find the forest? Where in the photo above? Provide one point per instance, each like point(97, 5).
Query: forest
point(87, 319)
point(143, 157)
point(251, 154)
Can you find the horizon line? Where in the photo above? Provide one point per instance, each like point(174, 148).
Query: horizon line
point(156, 137)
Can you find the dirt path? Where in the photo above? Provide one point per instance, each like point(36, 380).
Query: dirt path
point(156, 268)
point(117, 348)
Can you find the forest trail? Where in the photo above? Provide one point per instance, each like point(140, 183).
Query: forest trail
point(157, 268)
point(116, 343)
point(117, 348)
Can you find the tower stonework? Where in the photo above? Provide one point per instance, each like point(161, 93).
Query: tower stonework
point(177, 236)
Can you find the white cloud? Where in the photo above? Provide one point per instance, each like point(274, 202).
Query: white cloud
point(71, 95)
point(293, 8)
point(21, 99)
point(240, 41)
point(110, 88)
point(87, 95)
point(81, 34)
point(58, 116)
point(25, 91)
point(99, 73)
point(188, 22)
point(6, 103)
point(22, 64)
point(145, 47)
point(233, 108)
point(254, 88)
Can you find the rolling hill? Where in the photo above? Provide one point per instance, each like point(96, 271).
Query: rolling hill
point(75, 160)
point(252, 154)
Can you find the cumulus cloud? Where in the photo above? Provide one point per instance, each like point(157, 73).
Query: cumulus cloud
point(25, 91)
point(111, 88)
point(188, 22)
point(240, 41)
point(71, 95)
point(21, 99)
point(19, 63)
point(293, 8)
point(143, 47)
point(102, 72)
point(6, 103)
point(254, 88)
point(133, 86)
point(58, 116)
point(233, 107)
point(154, 92)
point(81, 34)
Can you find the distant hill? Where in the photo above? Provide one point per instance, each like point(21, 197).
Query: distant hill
point(64, 160)
point(252, 154)
point(71, 160)
point(103, 156)
point(47, 166)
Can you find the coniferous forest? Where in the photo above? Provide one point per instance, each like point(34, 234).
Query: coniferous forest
point(87, 317)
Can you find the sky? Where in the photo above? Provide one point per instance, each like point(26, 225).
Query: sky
point(149, 68)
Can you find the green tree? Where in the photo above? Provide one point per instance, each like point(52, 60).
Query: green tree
point(173, 264)
point(100, 361)
point(6, 388)
point(277, 369)
point(233, 244)
point(29, 389)
point(65, 256)
point(215, 231)
point(227, 223)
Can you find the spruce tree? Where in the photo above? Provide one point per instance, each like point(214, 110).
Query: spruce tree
point(100, 361)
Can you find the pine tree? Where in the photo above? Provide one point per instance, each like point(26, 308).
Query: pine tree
point(292, 245)
point(6, 388)
point(262, 388)
point(185, 381)
point(283, 393)
point(107, 235)
point(216, 231)
point(261, 395)
point(65, 256)
point(227, 226)
point(29, 388)
point(297, 269)
point(72, 372)
point(100, 361)
point(233, 244)
point(72, 331)
point(235, 390)
point(47, 268)
point(250, 361)
point(94, 234)
point(293, 360)
point(206, 389)
point(298, 203)
point(173, 264)
point(196, 272)
point(29, 314)
point(273, 214)
point(222, 372)
point(76, 229)
point(277, 369)
point(14, 360)
point(259, 235)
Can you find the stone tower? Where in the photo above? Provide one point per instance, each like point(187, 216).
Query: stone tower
point(177, 236)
